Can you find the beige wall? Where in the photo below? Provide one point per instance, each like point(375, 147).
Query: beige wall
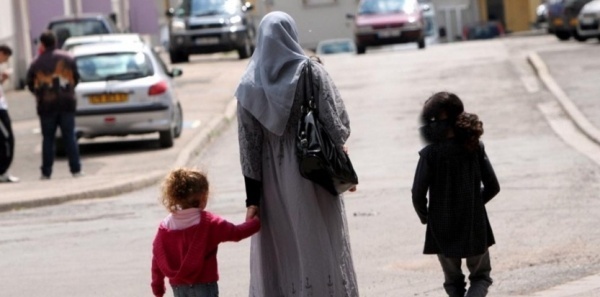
point(316, 22)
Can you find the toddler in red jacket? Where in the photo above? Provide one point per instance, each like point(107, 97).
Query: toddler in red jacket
point(185, 246)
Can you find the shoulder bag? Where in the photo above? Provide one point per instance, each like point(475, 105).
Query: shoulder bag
point(320, 160)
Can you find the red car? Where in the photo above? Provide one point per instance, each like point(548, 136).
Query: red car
point(383, 22)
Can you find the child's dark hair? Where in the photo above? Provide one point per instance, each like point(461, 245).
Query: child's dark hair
point(184, 188)
point(467, 126)
point(5, 49)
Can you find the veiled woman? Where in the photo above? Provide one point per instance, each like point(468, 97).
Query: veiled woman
point(303, 247)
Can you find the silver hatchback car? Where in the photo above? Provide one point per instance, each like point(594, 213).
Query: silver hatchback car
point(125, 88)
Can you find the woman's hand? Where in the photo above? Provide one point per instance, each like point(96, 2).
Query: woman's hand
point(251, 212)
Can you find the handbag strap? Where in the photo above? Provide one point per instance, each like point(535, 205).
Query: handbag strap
point(310, 100)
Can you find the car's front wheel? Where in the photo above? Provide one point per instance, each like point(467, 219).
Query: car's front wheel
point(361, 49)
point(563, 36)
point(245, 51)
point(178, 57)
point(579, 37)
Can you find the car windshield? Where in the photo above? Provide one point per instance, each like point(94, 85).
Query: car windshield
point(386, 6)
point(207, 7)
point(66, 29)
point(114, 66)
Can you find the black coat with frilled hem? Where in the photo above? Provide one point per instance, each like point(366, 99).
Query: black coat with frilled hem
point(456, 218)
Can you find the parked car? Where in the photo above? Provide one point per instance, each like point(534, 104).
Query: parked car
point(209, 26)
point(563, 21)
point(383, 22)
point(336, 46)
point(483, 30)
point(589, 20)
point(125, 88)
point(79, 25)
point(72, 42)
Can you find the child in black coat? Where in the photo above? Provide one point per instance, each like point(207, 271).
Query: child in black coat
point(452, 168)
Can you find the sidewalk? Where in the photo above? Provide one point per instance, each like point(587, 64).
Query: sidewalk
point(571, 76)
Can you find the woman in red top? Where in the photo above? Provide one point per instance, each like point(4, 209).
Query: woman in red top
point(185, 246)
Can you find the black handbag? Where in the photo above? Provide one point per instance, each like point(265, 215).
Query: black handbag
point(319, 159)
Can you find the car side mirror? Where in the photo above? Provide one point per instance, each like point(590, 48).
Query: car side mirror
point(175, 72)
point(170, 12)
point(247, 6)
point(350, 16)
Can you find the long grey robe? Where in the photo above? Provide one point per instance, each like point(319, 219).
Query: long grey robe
point(303, 246)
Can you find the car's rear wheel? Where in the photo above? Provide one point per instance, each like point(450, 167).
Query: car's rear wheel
point(245, 51)
point(178, 121)
point(421, 43)
point(564, 36)
point(166, 138)
point(178, 57)
point(361, 49)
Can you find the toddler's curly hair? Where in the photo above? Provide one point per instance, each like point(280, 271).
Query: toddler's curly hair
point(470, 129)
point(184, 188)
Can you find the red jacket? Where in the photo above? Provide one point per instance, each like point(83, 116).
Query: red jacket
point(189, 256)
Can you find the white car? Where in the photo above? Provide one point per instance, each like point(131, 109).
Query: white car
point(125, 88)
point(589, 20)
point(72, 42)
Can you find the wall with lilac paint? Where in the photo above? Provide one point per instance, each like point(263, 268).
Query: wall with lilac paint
point(40, 14)
point(143, 17)
point(99, 6)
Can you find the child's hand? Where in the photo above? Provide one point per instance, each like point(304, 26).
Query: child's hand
point(4, 76)
point(252, 212)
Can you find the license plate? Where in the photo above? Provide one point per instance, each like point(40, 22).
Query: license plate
point(108, 98)
point(207, 40)
point(558, 22)
point(587, 21)
point(389, 33)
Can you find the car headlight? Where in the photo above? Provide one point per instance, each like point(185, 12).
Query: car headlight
point(235, 19)
point(177, 26)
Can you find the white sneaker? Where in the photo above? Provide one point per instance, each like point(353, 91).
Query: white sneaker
point(78, 174)
point(7, 178)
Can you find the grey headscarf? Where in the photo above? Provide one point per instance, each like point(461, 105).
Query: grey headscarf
point(267, 87)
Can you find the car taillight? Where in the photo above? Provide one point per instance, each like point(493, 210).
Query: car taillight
point(158, 88)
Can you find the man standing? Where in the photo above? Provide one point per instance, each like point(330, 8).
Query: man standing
point(52, 78)
point(7, 137)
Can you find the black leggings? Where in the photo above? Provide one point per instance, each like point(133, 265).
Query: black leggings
point(7, 142)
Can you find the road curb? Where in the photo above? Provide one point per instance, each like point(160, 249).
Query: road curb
point(563, 99)
point(192, 149)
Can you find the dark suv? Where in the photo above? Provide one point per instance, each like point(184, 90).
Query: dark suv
point(80, 25)
point(209, 26)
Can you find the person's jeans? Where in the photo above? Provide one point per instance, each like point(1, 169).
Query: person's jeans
point(479, 267)
point(49, 124)
point(196, 290)
point(7, 142)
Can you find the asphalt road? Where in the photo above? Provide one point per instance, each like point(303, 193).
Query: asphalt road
point(545, 218)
